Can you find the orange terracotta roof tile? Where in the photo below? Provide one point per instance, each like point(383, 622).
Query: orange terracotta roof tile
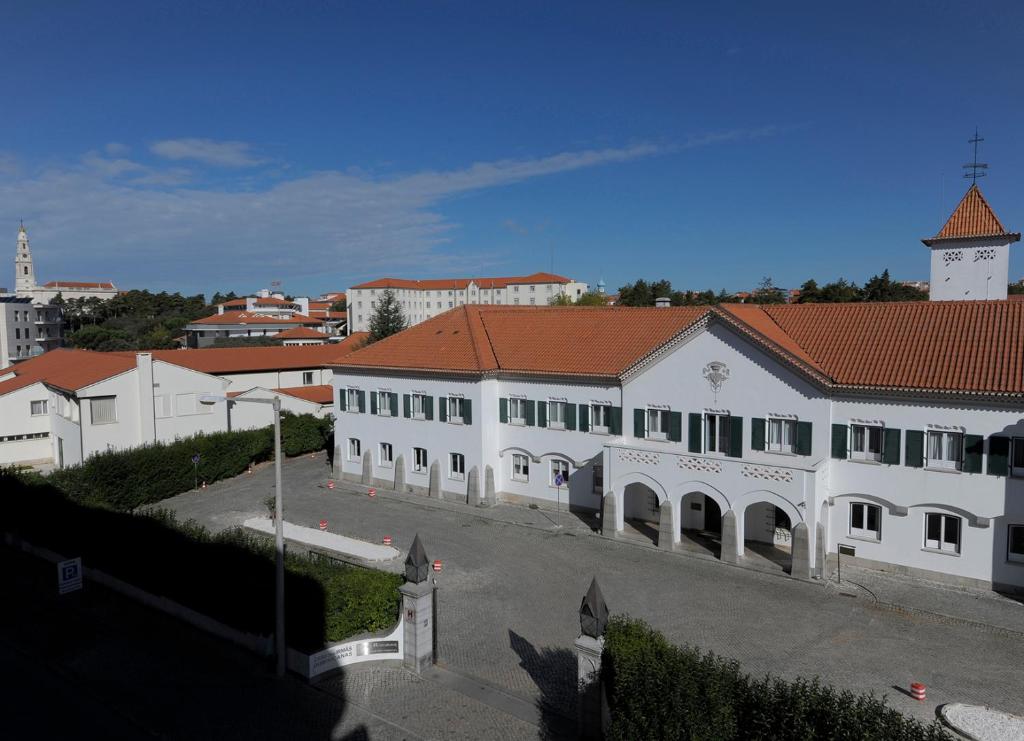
point(972, 218)
point(301, 333)
point(315, 394)
point(253, 317)
point(67, 369)
point(462, 283)
point(106, 286)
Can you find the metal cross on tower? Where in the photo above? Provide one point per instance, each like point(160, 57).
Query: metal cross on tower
point(977, 169)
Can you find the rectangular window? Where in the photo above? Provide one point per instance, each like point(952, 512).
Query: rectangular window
point(385, 455)
point(942, 532)
point(38, 408)
point(533, 300)
point(1017, 457)
point(517, 411)
point(17, 333)
point(1015, 543)
point(355, 450)
point(455, 409)
point(515, 300)
point(352, 400)
point(384, 404)
point(657, 424)
point(520, 467)
point(456, 466)
point(781, 435)
point(559, 473)
point(600, 414)
point(419, 406)
point(717, 428)
point(162, 406)
point(599, 478)
point(866, 521)
point(185, 404)
point(419, 460)
point(556, 414)
point(866, 443)
point(103, 410)
point(945, 449)
point(307, 378)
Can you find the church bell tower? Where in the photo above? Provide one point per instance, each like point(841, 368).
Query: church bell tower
point(25, 274)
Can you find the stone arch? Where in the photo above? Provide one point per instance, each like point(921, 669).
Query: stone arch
point(973, 520)
point(894, 509)
point(700, 531)
point(617, 494)
point(621, 482)
point(516, 449)
point(760, 542)
point(765, 495)
point(701, 487)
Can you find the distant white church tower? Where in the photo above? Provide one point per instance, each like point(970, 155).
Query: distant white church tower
point(25, 273)
point(971, 253)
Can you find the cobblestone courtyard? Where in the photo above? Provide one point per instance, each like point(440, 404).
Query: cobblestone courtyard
point(512, 583)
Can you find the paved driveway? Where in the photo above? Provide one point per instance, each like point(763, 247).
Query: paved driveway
point(512, 584)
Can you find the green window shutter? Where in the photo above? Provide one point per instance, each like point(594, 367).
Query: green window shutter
point(839, 435)
point(735, 437)
point(531, 413)
point(913, 450)
point(406, 405)
point(615, 421)
point(442, 408)
point(570, 416)
point(373, 402)
point(998, 456)
point(542, 414)
point(584, 418)
point(675, 427)
point(891, 446)
point(394, 404)
point(757, 425)
point(467, 411)
point(803, 438)
point(973, 446)
point(694, 440)
point(639, 424)
point(343, 399)
point(362, 401)
point(428, 407)
point(503, 410)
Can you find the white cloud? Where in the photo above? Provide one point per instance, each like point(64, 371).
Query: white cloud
point(207, 151)
point(102, 218)
point(116, 149)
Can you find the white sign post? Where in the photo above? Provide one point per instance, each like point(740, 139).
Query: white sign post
point(69, 576)
point(558, 497)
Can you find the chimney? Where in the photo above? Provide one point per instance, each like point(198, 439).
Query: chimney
point(303, 303)
point(147, 411)
point(663, 303)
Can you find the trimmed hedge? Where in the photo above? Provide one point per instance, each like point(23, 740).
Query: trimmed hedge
point(660, 691)
point(126, 479)
point(229, 576)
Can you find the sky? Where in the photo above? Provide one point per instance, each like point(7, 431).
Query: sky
point(197, 147)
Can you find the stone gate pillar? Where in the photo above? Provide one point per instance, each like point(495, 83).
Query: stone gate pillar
point(417, 610)
point(666, 527)
point(490, 498)
point(821, 551)
point(590, 713)
point(473, 489)
point(730, 548)
point(367, 468)
point(435, 480)
point(801, 554)
point(400, 474)
point(609, 519)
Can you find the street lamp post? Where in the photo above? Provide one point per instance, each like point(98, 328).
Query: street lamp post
point(280, 648)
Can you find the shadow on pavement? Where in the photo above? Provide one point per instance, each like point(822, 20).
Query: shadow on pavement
point(553, 670)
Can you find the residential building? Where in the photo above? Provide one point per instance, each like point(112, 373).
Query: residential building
point(66, 405)
point(422, 299)
point(26, 286)
point(27, 329)
point(246, 325)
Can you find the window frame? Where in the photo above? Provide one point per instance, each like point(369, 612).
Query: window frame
point(352, 400)
point(514, 419)
point(717, 440)
point(598, 478)
point(457, 473)
point(307, 375)
point(389, 460)
point(92, 410)
point(1010, 555)
point(946, 439)
point(866, 454)
point(560, 406)
point(45, 407)
point(941, 544)
point(781, 447)
point(455, 401)
point(664, 420)
point(422, 413)
point(417, 466)
point(520, 468)
point(865, 532)
point(1017, 451)
point(355, 449)
point(384, 404)
point(606, 413)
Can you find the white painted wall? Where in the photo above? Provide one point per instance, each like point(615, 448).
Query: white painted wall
point(969, 270)
point(248, 416)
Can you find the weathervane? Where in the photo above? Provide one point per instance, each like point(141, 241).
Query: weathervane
point(977, 169)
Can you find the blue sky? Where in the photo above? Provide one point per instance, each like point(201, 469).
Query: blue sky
point(203, 146)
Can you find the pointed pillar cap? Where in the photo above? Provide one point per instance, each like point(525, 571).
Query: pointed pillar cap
point(416, 565)
point(593, 612)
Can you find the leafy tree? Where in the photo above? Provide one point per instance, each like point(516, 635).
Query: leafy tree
point(767, 293)
point(560, 299)
point(1015, 288)
point(387, 318)
point(591, 298)
point(220, 298)
point(809, 293)
point(339, 305)
point(840, 292)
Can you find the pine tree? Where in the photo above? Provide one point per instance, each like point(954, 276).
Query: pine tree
point(387, 318)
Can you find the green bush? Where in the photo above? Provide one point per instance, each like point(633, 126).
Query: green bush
point(229, 576)
point(126, 479)
point(660, 691)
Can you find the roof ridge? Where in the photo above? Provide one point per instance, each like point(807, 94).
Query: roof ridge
point(480, 335)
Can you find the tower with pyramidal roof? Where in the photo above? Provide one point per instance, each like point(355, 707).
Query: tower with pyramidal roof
point(971, 253)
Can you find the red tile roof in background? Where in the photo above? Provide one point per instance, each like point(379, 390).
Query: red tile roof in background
point(462, 283)
point(217, 360)
point(973, 217)
point(67, 369)
point(968, 346)
point(300, 333)
point(78, 284)
point(315, 394)
point(254, 317)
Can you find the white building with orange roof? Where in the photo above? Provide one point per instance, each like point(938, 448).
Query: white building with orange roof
point(422, 299)
point(774, 435)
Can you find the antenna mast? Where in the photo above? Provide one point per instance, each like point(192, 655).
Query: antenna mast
point(977, 169)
